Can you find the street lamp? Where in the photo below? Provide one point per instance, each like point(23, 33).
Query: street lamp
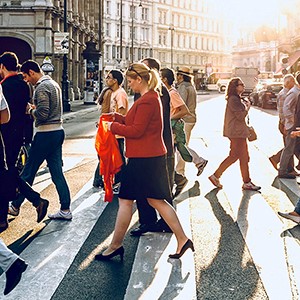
point(172, 29)
point(121, 30)
point(65, 81)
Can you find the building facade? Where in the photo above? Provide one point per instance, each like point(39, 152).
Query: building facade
point(106, 34)
point(178, 33)
point(28, 29)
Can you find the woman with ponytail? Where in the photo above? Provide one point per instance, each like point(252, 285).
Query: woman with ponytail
point(145, 175)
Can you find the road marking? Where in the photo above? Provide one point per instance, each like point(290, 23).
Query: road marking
point(51, 254)
point(154, 275)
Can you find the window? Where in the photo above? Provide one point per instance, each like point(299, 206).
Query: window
point(118, 9)
point(145, 12)
point(107, 31)
point(132, 10)
point(134, 33)
point(145, 34)
point(108, 7)
point(118, 56)
point(113, 52)
point(107, 52)
point(118, 30)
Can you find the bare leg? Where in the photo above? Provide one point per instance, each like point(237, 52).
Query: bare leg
point(122, 223)
point(169, 215)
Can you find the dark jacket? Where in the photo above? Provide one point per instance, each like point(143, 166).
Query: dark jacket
point(17, 95)
point(234, 122)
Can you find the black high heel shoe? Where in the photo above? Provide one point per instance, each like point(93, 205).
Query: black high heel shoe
point(119, 251)
point(186, 246)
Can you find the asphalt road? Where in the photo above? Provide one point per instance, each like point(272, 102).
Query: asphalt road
point(243, 249)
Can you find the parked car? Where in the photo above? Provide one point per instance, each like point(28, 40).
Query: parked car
point(253, 97)
point(261, 85)
point(267, 96)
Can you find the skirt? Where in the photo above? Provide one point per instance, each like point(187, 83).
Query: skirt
point(145, 178)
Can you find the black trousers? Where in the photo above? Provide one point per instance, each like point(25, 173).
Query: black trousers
point(147, 214)
point(8, 187)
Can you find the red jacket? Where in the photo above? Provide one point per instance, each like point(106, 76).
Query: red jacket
point(142, 127)
point(110, 158)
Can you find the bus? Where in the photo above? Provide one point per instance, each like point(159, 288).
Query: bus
point(217, 81)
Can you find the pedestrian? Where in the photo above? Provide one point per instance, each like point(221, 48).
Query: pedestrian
point(48, 139)
point(119, 104)
point(148, 218)
point(286, 165)
point(145, 174)
point(236, 130)
point(16, 93)
point(297, 124)
point(295, 214)
point(187, 91)
point(179, 110)
point(275, 159)
point(103, 102)
point(10, 263)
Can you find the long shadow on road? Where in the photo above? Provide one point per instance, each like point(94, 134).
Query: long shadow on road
point(90, 279)
point(232, 273)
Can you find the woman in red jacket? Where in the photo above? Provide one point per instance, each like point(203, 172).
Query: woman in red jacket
point(145, 175)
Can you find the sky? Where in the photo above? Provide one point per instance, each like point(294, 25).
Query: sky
point(254, 13)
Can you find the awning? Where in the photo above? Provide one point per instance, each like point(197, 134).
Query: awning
point(291, 60)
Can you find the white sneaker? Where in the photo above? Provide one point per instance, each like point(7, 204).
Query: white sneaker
point(288, 216)
point(250, 186)
point(13, 211)
point(215, 181)
point(61, 215)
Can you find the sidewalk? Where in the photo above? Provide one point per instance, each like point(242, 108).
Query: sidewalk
point(78, 108)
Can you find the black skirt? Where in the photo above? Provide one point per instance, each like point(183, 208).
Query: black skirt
point(145, 178)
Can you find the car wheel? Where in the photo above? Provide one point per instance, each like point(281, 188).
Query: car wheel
point(222, 89)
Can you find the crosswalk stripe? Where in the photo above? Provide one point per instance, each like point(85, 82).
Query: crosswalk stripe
point(50, 255)
point(154, 275)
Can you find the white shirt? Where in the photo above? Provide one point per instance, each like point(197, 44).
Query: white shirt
point(3, 103)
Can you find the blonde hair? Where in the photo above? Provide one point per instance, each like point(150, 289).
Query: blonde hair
point(151, 76)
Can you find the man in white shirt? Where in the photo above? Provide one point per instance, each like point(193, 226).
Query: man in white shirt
point(119, 104)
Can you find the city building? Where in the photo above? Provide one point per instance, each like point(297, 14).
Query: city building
point(178, 33)
point(28, 28)
point(98, 35)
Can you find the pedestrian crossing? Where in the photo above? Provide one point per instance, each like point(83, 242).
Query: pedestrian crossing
point(268, 243)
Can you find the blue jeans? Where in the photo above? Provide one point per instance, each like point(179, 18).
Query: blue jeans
point(47, 146)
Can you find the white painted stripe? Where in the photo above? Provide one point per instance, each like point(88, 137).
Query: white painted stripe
point(262, 230)
point(154, 275)
point(51, 254)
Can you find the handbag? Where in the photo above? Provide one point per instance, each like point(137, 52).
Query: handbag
point(252, 134)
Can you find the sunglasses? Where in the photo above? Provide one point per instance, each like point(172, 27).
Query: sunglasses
point(130, 68)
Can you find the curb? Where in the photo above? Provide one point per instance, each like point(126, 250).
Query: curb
point(71, 115)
